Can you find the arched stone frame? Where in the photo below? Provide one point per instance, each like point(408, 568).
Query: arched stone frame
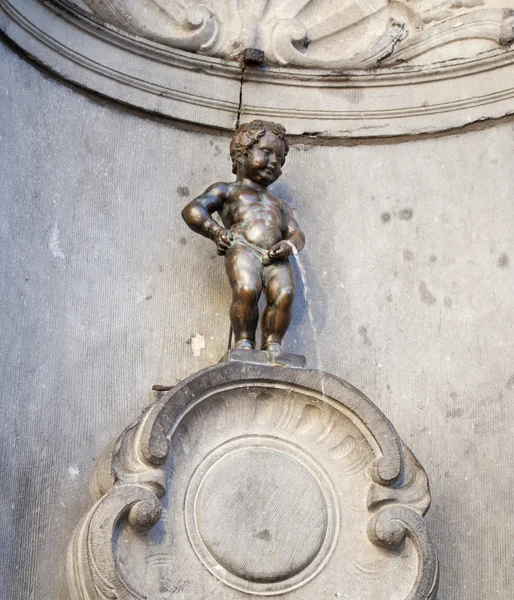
point(391, 101)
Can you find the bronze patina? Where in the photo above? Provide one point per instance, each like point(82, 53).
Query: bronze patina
point(258, 235)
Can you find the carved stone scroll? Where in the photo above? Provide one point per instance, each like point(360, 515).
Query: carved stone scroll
point(261, 480)
point(188, 26)
point(321, 35)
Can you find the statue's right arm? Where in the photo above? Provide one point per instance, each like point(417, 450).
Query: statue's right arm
point(197, 214)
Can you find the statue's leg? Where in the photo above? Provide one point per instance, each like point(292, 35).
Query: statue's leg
point(279, 284)
point(244, 270)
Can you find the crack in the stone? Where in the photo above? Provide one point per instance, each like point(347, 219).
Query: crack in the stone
point(241, 82)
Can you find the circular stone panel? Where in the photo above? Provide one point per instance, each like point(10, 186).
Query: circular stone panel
point(261, 515)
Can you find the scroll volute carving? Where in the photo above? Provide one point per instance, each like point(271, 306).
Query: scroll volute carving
point(185, 25)
point(323, 35)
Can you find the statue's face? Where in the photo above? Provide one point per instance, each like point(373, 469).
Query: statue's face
point(263, 162)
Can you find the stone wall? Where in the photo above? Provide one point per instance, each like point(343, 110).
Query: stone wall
point(106, 292)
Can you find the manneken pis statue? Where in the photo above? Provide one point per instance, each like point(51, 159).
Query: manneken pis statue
point(258, 236)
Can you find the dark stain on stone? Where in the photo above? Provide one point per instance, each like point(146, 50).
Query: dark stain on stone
point(183, 241)
point(503, 260)
point(183, 191)
point(389, 298)
point(217, 150)
point(433, 258)
point(386, 217)
point(161, 268)
point(425, 294)
point(408, 255)
point(363, 332)
point(453, 413)
point(405, 214)
point(264, 535)
point(388, 387)
point(448, 302)
point(510, 383)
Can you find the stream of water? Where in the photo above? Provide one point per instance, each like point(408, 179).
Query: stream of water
point(308, 302)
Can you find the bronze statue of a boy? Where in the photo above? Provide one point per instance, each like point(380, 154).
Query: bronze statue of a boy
point(259, 234)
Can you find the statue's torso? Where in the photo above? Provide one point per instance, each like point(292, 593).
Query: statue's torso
point(256, 215)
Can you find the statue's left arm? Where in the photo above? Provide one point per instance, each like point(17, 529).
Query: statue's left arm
point(292, 231)
point(294, 238)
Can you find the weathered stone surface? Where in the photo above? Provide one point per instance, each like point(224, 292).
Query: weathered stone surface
point(273, 482)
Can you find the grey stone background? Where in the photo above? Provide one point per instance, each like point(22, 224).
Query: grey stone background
point(409, 282)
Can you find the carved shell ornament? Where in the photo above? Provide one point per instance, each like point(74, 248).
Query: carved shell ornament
point(327, 34)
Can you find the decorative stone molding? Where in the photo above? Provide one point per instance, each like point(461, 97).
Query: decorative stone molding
point(256, 479)
point(321, 35)
point(185, 25)
point(397, 99)
point(129, 69)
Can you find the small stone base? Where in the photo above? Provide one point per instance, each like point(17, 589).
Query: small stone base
point(260, 357)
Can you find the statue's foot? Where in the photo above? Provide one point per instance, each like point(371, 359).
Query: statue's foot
point(272, 347)
point(244, 344)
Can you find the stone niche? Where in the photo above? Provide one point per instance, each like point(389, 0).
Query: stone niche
point(409, 262)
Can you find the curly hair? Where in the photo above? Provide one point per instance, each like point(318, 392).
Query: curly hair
point(248, 134)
